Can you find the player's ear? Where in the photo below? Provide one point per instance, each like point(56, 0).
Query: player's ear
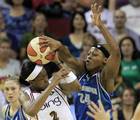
point(105, 60)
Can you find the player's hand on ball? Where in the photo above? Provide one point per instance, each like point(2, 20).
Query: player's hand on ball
point(96, 9)
point(61, 74)
point(50, 42)
point(98, 113)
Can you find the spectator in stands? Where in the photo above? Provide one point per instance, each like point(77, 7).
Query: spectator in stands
point(127, 106)
point(17, 19)
point(120, 30)
point(107, 18)
point(88, 42)
point(8, 66)
point(39, 27)
point(74, 41)
point(130, 64)
point(132, 11)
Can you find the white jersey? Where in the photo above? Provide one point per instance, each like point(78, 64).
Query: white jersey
point(56, 106)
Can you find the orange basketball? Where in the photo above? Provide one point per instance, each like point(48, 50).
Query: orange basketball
point(38, 54)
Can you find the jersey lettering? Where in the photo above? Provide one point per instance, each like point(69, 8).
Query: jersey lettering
point(56, 101)
point(54, 115)
point(84, 98)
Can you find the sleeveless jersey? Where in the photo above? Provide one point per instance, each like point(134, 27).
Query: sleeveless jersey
point(19, 115)
point(92, 90)
point(56, 106)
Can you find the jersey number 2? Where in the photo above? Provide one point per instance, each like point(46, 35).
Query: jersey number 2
point(54, 115)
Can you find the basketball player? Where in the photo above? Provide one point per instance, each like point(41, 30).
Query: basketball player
point(97, 71)
point(46, 100)
point(13, 111)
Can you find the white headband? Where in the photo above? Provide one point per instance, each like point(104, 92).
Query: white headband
point(34, 73)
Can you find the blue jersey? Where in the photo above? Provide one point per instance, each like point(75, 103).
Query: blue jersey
point(19, 115)
point(92, 90)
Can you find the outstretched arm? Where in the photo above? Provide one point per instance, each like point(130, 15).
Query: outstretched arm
point(64, 54)
point(111, 68)
point(32, 107)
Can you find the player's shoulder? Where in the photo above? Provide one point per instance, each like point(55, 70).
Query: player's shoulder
point(4, 108)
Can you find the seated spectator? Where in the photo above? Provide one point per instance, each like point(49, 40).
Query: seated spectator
point(107, 18)
point(17, 19)
point(8, 66)
point(88, 42)
point(127, 106)
point(39, 27)
point(132, 11)
point(130, 64)
point(120, 30)
point(74, 41)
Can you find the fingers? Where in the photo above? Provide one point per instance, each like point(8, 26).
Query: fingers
point(100, 105)
point(90, 114)
point(94, 106)
point(100, 9)
point(92, 109)
point(64, 72)
point(96, 6)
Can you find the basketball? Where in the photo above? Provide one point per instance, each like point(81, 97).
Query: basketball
point(38, 54)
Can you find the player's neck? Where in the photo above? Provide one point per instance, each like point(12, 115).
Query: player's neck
point(15, 106)
point(90, 73)
point(35, 90)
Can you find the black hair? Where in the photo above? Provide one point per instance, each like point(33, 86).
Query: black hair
point(103, 49)
point(29, 66)
point(136, 53)
point(72, 19)
point(26, 3)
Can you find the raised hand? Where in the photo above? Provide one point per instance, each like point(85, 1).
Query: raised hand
point(98, 113)
point(96, 8)
point(50, 42)
point(61, 74)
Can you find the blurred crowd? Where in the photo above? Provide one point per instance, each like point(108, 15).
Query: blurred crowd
point(70, 22)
